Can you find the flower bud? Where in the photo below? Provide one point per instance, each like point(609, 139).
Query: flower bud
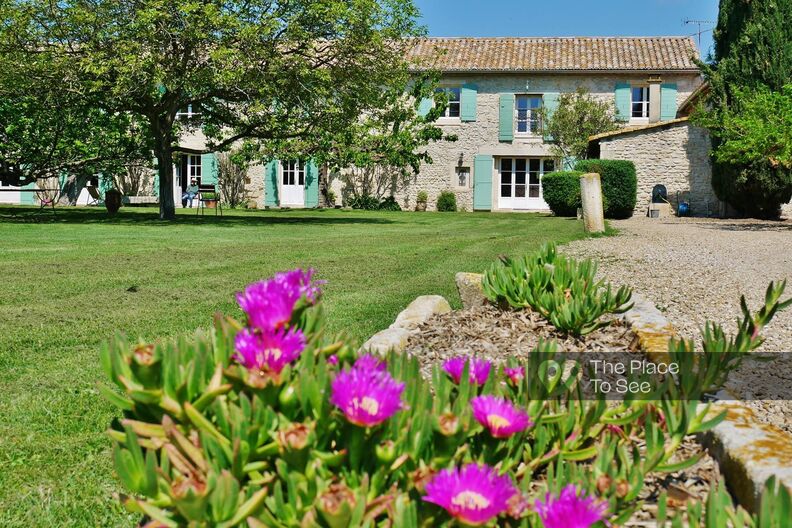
point(386, 452)
point(145, 365)
point(190, 496)
point(603, 484)
point(288, 397)
point(336, 505)
point(622, 488)
point(296, 437)
point(448, 424)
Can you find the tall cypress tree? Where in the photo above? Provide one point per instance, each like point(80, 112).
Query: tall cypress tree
point(753, 51)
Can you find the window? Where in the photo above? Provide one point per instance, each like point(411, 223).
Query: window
point(640, 102)
point(194, 168)
point(453, 108)
point(529, 116)
point(462, 176)
point(522, 177)
point(293, 173)
point(188, 112)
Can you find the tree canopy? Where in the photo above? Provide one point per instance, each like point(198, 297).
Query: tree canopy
point(296, 75)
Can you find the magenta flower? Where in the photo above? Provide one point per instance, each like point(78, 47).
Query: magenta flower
point(367, 396)
point(479, 369)
point(269, 350)
point(515, 375)
point(473, 495)
point(269, 304)
point(370, 362)
point(332, 360)
point(571, 509)
point(499, 416)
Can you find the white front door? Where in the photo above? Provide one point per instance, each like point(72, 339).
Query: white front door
point(520, 185)
point(292, 184)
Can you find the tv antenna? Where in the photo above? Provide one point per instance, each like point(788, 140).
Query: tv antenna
point(699, 23)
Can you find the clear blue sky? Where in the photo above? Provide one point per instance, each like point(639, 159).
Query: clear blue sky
point(562, 18)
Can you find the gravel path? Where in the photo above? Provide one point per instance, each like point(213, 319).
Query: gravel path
point(695, 269)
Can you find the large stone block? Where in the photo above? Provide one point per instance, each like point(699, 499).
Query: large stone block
point(469, 287)
point(421, 309)
point(389, 339)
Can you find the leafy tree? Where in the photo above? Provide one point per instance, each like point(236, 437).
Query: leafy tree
point(579, 116)
point(50, 128)
point(753, 53)
point(232, 170)
point(273, 71)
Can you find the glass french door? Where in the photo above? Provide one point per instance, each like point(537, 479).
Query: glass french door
point(521, 182)
point(293, 183)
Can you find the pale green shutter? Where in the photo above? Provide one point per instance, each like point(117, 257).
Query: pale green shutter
point(271, 184)
point(208, 169)
point(311, 185)
point(550, 103)
point(482, 182)
point(506, 125)
point(668, 101)
point(425, 105)
point(468, 96)
point(623, 101)
point(29, 198)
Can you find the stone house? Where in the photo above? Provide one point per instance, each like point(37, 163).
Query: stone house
point(496, 87)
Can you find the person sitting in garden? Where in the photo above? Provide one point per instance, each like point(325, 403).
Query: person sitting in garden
point(190, 193)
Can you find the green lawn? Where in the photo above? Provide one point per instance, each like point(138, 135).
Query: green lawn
point(64, 288)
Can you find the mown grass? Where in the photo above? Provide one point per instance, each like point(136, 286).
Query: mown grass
point(69, 282)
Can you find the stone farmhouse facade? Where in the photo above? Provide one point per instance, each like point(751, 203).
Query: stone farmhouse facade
point(496, 87)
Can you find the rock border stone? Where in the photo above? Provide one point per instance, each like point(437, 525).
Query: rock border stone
point(747, 450)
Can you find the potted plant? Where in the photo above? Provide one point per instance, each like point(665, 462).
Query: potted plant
point(112, 200)
point(209, 199)
point(420, 203)
point(331, 198)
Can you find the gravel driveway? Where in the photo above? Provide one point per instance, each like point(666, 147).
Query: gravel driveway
point(695, 269)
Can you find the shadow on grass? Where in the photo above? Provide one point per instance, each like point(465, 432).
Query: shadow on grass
point(130, 216)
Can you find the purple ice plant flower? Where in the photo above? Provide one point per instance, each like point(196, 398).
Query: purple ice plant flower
point(332, 360)
point(370, 362)
point(515, 375)
point(499, 416)
point(473, 495)
point(270, 350)
point(367, 394)
point(269, 303)
point(479, 369)
point(571, 509)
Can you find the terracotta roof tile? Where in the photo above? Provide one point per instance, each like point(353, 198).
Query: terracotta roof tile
point(554, 53)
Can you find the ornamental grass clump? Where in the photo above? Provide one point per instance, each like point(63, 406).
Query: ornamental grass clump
point(276, 422)
point(563, 290)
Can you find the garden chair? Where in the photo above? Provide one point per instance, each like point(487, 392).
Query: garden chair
point(209, 197)
point(93, 192)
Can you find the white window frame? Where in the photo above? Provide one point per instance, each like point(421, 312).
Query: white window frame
point(644, 102)
point(530, 117)
point(455, 177)
point(294, 171)
point(194, 168)
point(188, 113)
point(537, 200)
point(447, 117)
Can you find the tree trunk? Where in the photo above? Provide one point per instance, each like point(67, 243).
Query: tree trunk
point(164, 153)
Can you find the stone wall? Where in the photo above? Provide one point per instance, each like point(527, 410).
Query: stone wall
point(675, 155)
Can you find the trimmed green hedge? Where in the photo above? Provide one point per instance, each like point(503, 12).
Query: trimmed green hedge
point(446, 201)
point(619, 185)
point(561, 191)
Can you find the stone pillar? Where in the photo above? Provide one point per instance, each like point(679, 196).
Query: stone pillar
point(591, 198)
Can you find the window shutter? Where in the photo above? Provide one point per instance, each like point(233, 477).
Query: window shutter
point(482, 182)
point(425, 105)
point(550, 103)
point(468, 97)
point(271, 184)
point(668, 101)
point(506, 127)
point(311, 184)
point(623, 101)
point(208, 169)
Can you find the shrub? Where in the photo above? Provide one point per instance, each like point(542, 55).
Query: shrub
point(276, 422)
point(562, 290)
point(561, 191)
point(619, 185)
point(367, 202)
point(423, 197)
point(446, 201)
point(389, 204)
